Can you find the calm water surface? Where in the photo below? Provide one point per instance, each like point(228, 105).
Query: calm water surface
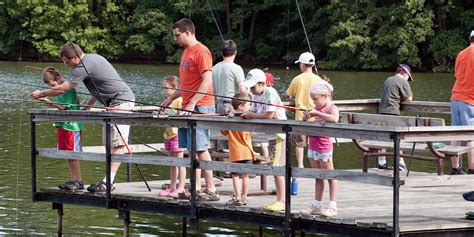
point(19, 215)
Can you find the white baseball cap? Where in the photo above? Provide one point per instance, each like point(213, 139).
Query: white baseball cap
point(306, 58)
point(472, 33)
point(254, 76)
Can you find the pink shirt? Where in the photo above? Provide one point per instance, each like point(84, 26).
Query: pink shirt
point(321, 143)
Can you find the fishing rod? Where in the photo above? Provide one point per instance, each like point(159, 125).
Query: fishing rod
point(306, 34)
point(215, 20)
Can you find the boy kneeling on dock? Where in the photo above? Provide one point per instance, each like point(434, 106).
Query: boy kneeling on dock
point(266, 104)
point(240, 151)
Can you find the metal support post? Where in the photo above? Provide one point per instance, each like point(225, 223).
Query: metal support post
point(125, 216)
point(60, 211)
point(108, 160)
point(396, 184)
point(287, 223)
point(193, 221)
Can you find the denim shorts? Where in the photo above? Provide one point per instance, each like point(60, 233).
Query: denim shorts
point(202, 135)
point(462, 113)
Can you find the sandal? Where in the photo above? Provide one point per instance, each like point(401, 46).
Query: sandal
point(234, 201)
point(208, 196)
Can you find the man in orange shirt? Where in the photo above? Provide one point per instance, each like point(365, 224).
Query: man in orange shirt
point(195, 71)
point(462, 100)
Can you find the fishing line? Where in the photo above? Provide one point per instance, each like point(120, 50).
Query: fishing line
point(306, 34)
point(215, 20)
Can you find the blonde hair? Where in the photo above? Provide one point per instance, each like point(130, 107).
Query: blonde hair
point(51, 74)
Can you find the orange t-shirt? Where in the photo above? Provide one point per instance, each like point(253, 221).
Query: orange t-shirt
point(463, 88)
point(240, 145)
point(194, 62)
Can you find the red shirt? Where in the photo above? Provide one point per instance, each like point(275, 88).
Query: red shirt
point(194, 62)
point(463, 89)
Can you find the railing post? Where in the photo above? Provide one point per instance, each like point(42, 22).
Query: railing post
point(396, 184)
point(33, 157)
point(193, 221)
point(287, 224)
point(108, 160)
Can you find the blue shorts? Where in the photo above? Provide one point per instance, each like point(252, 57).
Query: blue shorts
point(462, 113)
point(202, 135)
point(322, 156)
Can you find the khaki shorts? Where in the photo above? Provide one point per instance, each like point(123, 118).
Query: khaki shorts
point(115, 136)
point(277, 150)
point(299, 140)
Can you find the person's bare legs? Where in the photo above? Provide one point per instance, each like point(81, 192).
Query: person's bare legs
point(245, 186)
point(280, 188)
point(333, 184)
point(319, 183)
point(236, 184)
point(299, 151)
point(209, 179)
point(470, 155)
point(75, 170)
point(181, 171)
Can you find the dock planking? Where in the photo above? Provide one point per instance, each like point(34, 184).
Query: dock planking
point(427, 201)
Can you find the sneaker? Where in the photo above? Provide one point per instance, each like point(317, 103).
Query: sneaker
point(458, 171)
point(276, 207)
point(384, 167)
point(312, 211)
point(402, 167)
point(75, 185)
point(99, 187)
point(329, 212)
point(269, 204)
point(64, 185)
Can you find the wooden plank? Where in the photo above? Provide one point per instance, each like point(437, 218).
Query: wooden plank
point(352, 176)
point(136, 148)
point(390, 120)
point(446, 149)
point(242, 168)
point(136, 159)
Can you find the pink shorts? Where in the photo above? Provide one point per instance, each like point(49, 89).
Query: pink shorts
point(172, 145)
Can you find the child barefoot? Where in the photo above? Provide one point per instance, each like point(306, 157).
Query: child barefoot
point(240, 151)
point(171, 142)
point(320, 148)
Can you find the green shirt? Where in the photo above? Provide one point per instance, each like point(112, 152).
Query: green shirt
point(69, 100)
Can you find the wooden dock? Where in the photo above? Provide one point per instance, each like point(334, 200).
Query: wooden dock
point(428, 203)
point(369, 204)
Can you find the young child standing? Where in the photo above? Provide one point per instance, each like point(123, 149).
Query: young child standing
point(171, 141)
point(69, 133)
point(320, 148)
point(266, 97)
point(240, 151)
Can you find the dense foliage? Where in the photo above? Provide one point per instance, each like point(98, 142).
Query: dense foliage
point(343, 34)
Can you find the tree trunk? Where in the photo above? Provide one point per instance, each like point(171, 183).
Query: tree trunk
point(251, 33)
point(227, 14)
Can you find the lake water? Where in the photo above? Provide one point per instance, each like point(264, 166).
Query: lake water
point(20, 216)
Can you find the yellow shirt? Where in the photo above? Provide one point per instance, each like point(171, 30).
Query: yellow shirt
point(171, 132)
point(299, 88)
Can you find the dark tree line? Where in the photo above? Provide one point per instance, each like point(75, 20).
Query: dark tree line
point(343, 34)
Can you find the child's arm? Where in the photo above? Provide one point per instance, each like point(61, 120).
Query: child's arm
point(225, 132)
point(52, 104)
point(333, 117)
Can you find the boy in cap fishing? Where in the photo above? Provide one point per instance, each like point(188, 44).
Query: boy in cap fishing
point(266, 104)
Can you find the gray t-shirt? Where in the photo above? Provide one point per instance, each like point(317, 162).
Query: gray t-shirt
point(105, 80)
point(225, 79)
point(395, 89)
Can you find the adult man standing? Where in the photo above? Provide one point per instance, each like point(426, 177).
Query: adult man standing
point(462, 100)
point(299, 89)
point(227, 79)
point(195, 71)
point(106, 86)
point(395, 90)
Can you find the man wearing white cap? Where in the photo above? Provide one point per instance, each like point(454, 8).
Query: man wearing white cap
point(462, 100)
point(299, 89)
point(264, 99)
point(395, 90)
